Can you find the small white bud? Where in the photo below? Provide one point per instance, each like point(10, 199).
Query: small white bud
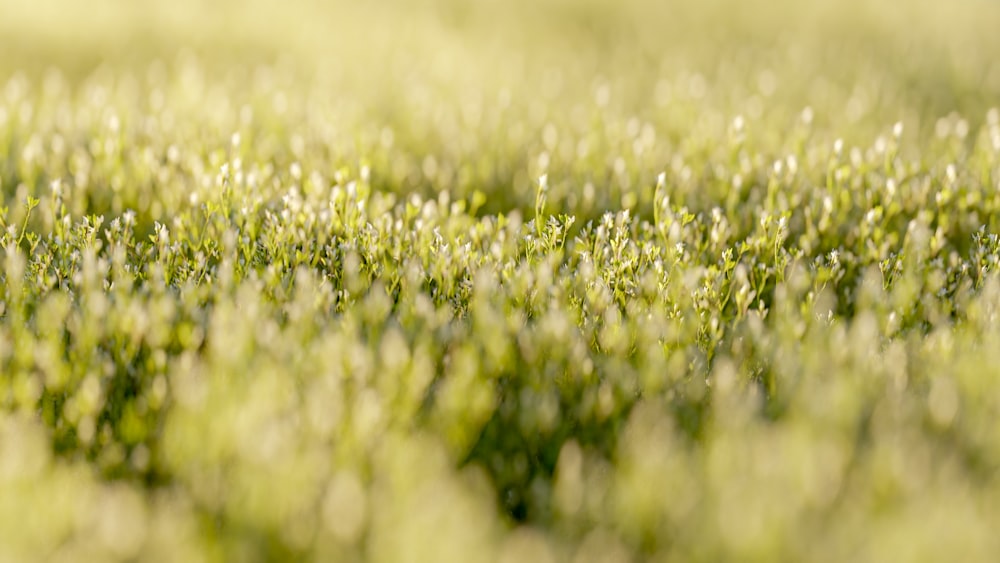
point(739, 123)
point(792, 163)
point(807, 115)
point(962, 129)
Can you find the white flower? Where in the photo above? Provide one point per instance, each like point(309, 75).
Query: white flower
point(162, 233)
point(962, 128)
point(792, 163)
point(738, 123)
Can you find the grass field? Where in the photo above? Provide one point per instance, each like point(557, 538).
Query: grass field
point(547, 280)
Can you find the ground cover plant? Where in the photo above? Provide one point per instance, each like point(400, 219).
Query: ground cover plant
point(500, 281)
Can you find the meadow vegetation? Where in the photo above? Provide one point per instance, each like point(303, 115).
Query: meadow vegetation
point(500, 281)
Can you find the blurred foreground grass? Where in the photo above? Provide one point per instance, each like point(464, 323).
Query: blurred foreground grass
point(499, 281)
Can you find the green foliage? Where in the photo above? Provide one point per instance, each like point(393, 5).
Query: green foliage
point(615, 282)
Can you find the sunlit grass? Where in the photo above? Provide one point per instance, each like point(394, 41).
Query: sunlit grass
point(528, 281)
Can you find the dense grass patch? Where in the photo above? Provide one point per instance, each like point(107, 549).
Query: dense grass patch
point(521, 281)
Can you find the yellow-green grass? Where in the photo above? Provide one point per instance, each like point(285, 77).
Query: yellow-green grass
point(499, 281)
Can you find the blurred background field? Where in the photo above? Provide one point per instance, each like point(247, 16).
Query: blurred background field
point(488, 95)
point(545, 280)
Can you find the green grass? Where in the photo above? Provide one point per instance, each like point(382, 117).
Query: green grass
point(500, 281)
